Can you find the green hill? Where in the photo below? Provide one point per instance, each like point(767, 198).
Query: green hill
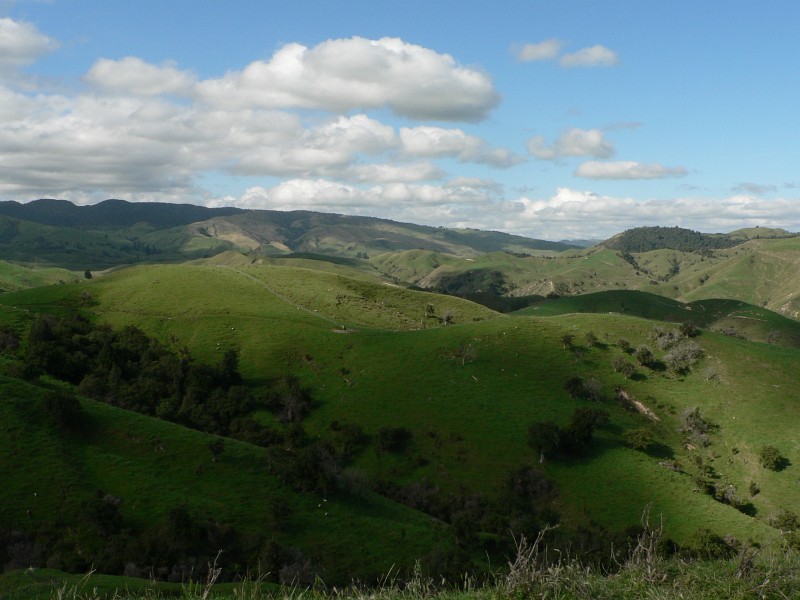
point(443, 393)
point(14, 277)
point(731, 317)
point(115, 232)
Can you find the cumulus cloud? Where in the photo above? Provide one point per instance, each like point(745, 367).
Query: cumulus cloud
point(359, 74)
point(474, 202)
point(627, 170)
point(546, 50)
point(132, 75)
point(319, 194)
point(386, 173)
point(573, 142)
point(595, 56)
point(427, 141)
point(21, 43)
point(576, 214)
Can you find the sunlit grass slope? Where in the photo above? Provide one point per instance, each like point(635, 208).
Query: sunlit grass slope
point(469, 421)
point(731, 316)
point(469, 411)
point(14, 277)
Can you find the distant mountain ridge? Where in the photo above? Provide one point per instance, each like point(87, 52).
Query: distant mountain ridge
point(110, 213)
point(114, 232)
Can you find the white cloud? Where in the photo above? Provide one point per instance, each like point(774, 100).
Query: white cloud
point(627, 170)
point(427, 141)
point(385, 173)
point(546, 50)
point(21, 43)
point(595, 56)
point(573, 142)
point(357, 73)
point(569, 213)
point(307, 194)
point(584, 214)
point(132, 75)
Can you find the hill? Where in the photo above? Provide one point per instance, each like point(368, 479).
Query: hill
point(14, 277)
point(731, 317)
point(438, 397)
point(645, 239)
point(115, 232)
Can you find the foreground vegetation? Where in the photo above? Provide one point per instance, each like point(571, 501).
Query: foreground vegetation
point(644, 574)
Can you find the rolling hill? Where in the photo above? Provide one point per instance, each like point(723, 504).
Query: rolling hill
point(114, 232)
point(458, 383)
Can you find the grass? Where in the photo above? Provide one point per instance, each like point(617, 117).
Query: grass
point(155, 466)
point(646, 574)
point(733, 316)
point(468, 418)
point(14, 278)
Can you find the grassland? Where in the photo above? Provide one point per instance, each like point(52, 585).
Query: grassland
point(729, 316)
point(14, 277)
point(377, 355)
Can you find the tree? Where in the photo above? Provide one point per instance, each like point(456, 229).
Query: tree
point(644, 356)
point(591, 339)
point(216, 447)
point(689, 329)
point(567, 340)
point(623, 366)
point(578, 433)
point(229, 368)
point(592, 389)
point(574, 387)
point(393, 439)
point(625, 345)
point(544, 437)
point(87, 274)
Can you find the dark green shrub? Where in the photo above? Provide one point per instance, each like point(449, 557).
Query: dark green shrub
point(393, 439)
point(771, 458)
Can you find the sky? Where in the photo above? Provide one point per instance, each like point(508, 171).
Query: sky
point(574, 119)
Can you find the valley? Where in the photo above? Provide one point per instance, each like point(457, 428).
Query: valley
point(362, 412)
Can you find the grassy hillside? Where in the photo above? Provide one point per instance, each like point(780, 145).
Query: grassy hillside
point(14, 277)
point(732, 317)
point(463, 382)
point(761, 272)
point(154, 467)
point(115, 232)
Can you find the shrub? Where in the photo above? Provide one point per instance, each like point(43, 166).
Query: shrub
point(644, 356)
point(623, 366)
point(771, 458)
point(393, 439)
point(785, 520)
point(638, 439)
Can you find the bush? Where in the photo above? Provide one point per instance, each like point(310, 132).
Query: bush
point(771, 458)
point(393, 439)
point(623, 366)
point(638, 439)
point(644, 356)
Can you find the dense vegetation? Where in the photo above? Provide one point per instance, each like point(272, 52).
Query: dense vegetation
point(647, 239)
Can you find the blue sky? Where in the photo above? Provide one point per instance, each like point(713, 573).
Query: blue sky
point(570, 119)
